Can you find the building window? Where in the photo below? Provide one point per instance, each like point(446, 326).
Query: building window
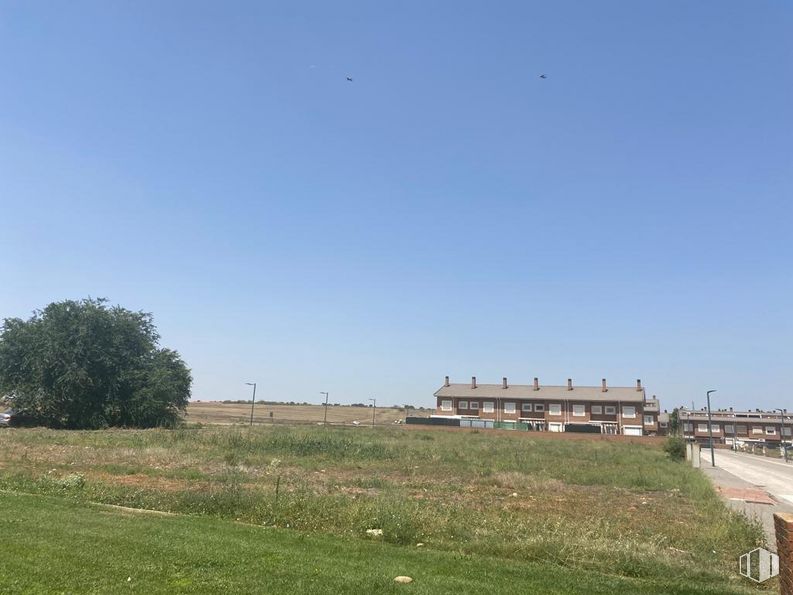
point(757, 430)
point(702, 427)
point(742, 430)
point(446, 405)
point(786, 431)
point(487, 407)
point(539, 407)
point(555, 408)
point(629, 412)
point(770, 430)
point(715, 428)
point(509, 407)
point(579, 410)
point(611, 410)
point(729, 429)
point(525, 407)
point(597, 409)
point(462, 405)
point(474, 405)
point(648, 420)
point(688, 427)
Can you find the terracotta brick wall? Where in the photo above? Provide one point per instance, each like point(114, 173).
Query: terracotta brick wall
point(783, 522)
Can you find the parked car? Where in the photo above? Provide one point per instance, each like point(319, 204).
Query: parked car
point(5, 418)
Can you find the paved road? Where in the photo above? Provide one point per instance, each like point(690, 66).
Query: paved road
point(774, 476)
point(744, 471)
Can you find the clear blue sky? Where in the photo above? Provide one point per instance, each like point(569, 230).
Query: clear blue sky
point(447, 212)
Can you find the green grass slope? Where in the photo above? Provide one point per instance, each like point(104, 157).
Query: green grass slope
point(55, 545)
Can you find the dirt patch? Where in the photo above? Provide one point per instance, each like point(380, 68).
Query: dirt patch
point(355, 491)
point(145, 481)
point(516, 480)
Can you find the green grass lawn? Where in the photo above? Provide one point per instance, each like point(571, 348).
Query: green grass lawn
point(538, 512)
point(55, 545)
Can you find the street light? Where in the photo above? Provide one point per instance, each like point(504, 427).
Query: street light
point(253, 401)
point(374, 409)
point(710, 431)
point(325, 417)
point(784, 446)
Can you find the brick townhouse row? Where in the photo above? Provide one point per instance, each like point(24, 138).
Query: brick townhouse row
point(730, 426)
point(612, 410)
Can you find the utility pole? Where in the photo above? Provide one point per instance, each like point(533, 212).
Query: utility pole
point(734, 436)
point(784, 446)
point(325, 417)
point(253, 401)
point(374, 409)
point(710, 431)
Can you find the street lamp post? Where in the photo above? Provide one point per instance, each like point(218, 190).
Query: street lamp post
point(710, 431)
point(374, 409)
point(734, 436)
point(253, 401)
point(784, 446)
point(325, 417)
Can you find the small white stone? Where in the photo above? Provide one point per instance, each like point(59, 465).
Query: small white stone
point(419, 544)
point(514, 494)
point(403, 579)
point(129, 579)
point(374, 532)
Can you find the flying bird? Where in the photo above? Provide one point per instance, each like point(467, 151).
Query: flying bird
point(542, 76)
point(349, 78)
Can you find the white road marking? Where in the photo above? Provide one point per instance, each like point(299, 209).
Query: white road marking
point(788, 497)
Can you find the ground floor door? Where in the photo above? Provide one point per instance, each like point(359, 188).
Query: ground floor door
point(555, 427)
point(632, 430)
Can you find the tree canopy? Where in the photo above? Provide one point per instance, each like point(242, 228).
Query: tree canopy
point(84, 364)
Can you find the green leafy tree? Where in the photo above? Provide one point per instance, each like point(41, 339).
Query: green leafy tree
point(83, 364)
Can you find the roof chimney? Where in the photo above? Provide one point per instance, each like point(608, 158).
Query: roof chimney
point(569, 384)
point(638, 384)
point(446, 381)
point(504, 382)
point(603, 388)
point(473, 381)
point(536, 383)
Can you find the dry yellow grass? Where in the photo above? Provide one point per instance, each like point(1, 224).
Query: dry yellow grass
point(216, 412)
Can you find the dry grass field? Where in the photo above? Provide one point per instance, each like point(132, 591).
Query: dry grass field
point(217, 412)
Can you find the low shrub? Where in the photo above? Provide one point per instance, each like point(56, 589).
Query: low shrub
point(675, 447)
